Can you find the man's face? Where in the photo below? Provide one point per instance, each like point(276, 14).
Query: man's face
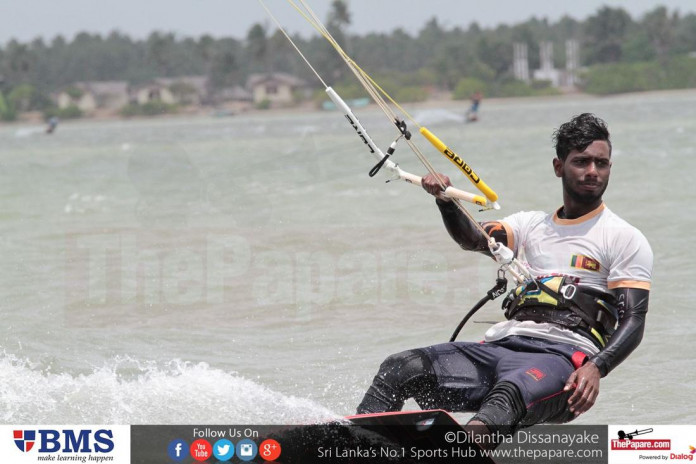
point(585, 175)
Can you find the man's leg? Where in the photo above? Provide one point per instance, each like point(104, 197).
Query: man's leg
point(539, 379)
point(452, 376)
point(529, 391)
point(502, 409)
point(401, 376)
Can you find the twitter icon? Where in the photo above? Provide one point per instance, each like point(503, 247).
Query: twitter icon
point(223, 450)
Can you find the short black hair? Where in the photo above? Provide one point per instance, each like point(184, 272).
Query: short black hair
point(579, 133)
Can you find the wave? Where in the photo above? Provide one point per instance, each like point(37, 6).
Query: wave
point(438, 116)
point(29, 131)
point(128, 391)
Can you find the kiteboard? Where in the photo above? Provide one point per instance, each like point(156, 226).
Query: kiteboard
point(423, 436)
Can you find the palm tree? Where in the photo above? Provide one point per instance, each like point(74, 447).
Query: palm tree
point(659, 27)
point(18, 63)
point(257, 43)
point(339, 16)
point(606, 32)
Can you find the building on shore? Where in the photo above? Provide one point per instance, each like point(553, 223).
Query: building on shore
point(566, 79)
point(91, 96)
point(276, 88)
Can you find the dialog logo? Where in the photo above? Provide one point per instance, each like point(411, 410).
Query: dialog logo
point(223, 450)
point(246, 450)
point(24, 439)
point(178, 450)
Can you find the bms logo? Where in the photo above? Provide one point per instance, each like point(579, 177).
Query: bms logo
point(65, 441)
point(24, 439)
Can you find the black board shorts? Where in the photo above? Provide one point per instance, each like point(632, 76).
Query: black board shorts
point(467, 371)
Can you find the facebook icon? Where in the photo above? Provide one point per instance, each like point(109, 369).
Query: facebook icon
point(178, 450)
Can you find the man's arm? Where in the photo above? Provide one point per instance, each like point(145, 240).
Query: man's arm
point(633, 307)
point(458, 225)
point(461, 229)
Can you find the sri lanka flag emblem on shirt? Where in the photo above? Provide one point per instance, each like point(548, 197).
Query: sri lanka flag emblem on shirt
point(584, 262)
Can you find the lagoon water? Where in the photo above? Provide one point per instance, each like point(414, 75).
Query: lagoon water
point(247, 270)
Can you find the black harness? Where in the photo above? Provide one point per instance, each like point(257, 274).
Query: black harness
point(556, 300)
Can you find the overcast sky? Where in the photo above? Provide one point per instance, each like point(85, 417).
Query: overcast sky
point(27, 19)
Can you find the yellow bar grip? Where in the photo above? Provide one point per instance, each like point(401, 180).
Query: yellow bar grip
point(459, 162)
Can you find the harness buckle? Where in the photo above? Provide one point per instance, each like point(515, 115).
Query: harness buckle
point(568, 291)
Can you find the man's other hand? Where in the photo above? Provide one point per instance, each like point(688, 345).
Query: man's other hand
point(585, 382)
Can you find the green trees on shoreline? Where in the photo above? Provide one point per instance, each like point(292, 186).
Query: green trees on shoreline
point(617, 53)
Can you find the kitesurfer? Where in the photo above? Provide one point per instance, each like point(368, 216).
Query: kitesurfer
point(51, 125)
point(579, 318)
point(472, 112)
